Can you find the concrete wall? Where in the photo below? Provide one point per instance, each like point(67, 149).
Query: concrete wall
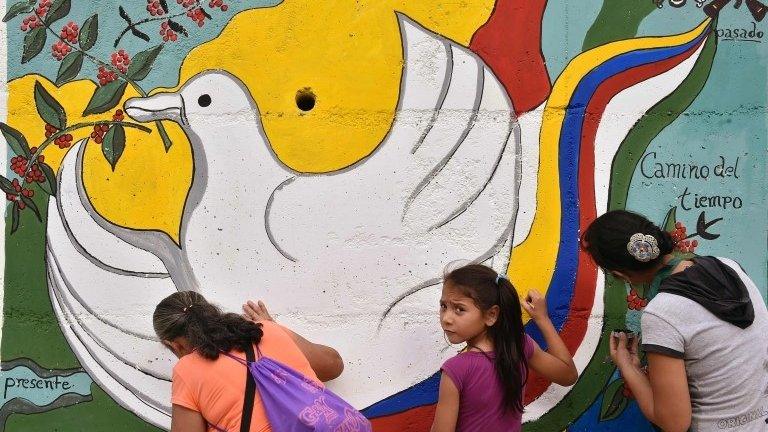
point(331, 158)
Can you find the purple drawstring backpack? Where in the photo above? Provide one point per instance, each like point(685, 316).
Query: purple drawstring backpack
point(293, 402)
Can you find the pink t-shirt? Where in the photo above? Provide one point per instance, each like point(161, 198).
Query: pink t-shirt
point(480, 392)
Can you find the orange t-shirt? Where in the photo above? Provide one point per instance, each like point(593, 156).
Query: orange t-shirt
point(216, 388)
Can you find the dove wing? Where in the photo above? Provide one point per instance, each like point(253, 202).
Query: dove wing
point(466, 162)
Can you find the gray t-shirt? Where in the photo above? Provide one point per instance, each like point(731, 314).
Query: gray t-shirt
point(727, 367)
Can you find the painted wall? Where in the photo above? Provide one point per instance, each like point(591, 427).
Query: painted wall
point(332, 157)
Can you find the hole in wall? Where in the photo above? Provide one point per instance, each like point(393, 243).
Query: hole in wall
point(305, 99)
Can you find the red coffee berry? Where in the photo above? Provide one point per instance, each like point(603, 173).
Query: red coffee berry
point(70, 32)
point(120, 60)
point(106, 76)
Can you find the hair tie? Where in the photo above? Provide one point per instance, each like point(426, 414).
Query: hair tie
point(186, 308)
point(499, 277)
point(643, 247)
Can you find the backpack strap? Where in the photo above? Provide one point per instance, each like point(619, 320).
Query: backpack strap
point(250, 392)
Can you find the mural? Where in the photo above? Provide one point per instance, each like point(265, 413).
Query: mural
point(224, 147)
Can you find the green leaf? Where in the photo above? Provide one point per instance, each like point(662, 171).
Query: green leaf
point(31, 204)
point(614, 402)
point(59, 9)
point(164, 135)
point(141, 63)
point(7, 186)
point(105, 98)
point(69, 68)
point(669, 220)
point(49, 109)
point(19, 8)
point(89, 33)
point(113, 144)
point(50, 184)
point(16, 140)
point(34, 42)
point(15, 217)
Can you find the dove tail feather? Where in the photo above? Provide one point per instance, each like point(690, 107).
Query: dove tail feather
point(83, 347)
point(53, 264)
point(120, 389)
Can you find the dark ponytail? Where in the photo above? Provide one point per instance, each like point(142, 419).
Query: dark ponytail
point(483, 285)
point(208, 330)
point(606, 240)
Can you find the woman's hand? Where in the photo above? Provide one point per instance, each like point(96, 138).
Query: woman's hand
point(624, 350)
point(536, 305)
point(256, 312)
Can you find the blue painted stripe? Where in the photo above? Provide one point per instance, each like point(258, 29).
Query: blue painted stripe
point(423, 393)
point(562, 285)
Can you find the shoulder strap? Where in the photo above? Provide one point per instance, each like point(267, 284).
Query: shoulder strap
point(250, 392)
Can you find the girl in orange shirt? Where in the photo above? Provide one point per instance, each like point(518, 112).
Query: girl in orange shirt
point(208, 388)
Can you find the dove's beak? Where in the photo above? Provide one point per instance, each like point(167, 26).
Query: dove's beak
point(161, 106)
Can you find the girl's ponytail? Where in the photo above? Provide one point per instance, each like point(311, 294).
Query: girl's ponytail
point(487, 288)
point(508, 337)
point(208, 330)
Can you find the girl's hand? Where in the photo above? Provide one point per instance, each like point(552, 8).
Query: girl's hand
point(624, 351)
point(536, 305)
point(256, 312)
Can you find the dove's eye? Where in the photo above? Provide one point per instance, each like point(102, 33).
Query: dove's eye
point(204, 100)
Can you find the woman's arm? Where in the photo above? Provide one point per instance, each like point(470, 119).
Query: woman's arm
point(662, 395)
point(324, 360)
point(671, 399)
point(447, 411)
point(186, 420)
point(556, 364)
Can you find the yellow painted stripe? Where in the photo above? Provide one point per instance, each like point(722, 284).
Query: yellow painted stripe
point(533, 261)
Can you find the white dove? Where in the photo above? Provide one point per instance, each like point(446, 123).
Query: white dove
point(350, 258)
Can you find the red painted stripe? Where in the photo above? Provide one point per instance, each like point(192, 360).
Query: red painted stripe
point(510, 43)
point(575, 327)
point(417, 419)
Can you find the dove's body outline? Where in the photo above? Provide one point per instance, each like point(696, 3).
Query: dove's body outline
point(268, 197)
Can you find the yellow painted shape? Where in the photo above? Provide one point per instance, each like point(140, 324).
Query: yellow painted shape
point(148, 187)
point(534, 260)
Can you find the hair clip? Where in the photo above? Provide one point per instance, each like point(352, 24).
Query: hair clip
point(499, 277)
point(643, 247)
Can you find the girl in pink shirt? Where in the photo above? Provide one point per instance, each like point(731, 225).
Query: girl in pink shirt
point(481, 388)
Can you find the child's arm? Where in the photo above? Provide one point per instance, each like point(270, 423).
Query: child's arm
point(555, 364)
point(447, 411)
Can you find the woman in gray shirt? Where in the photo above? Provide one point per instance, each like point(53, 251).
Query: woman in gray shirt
point(705, 332)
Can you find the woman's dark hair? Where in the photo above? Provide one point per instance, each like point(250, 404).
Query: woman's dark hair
point(478, 282)
point(606, 240)
point(208, 330)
